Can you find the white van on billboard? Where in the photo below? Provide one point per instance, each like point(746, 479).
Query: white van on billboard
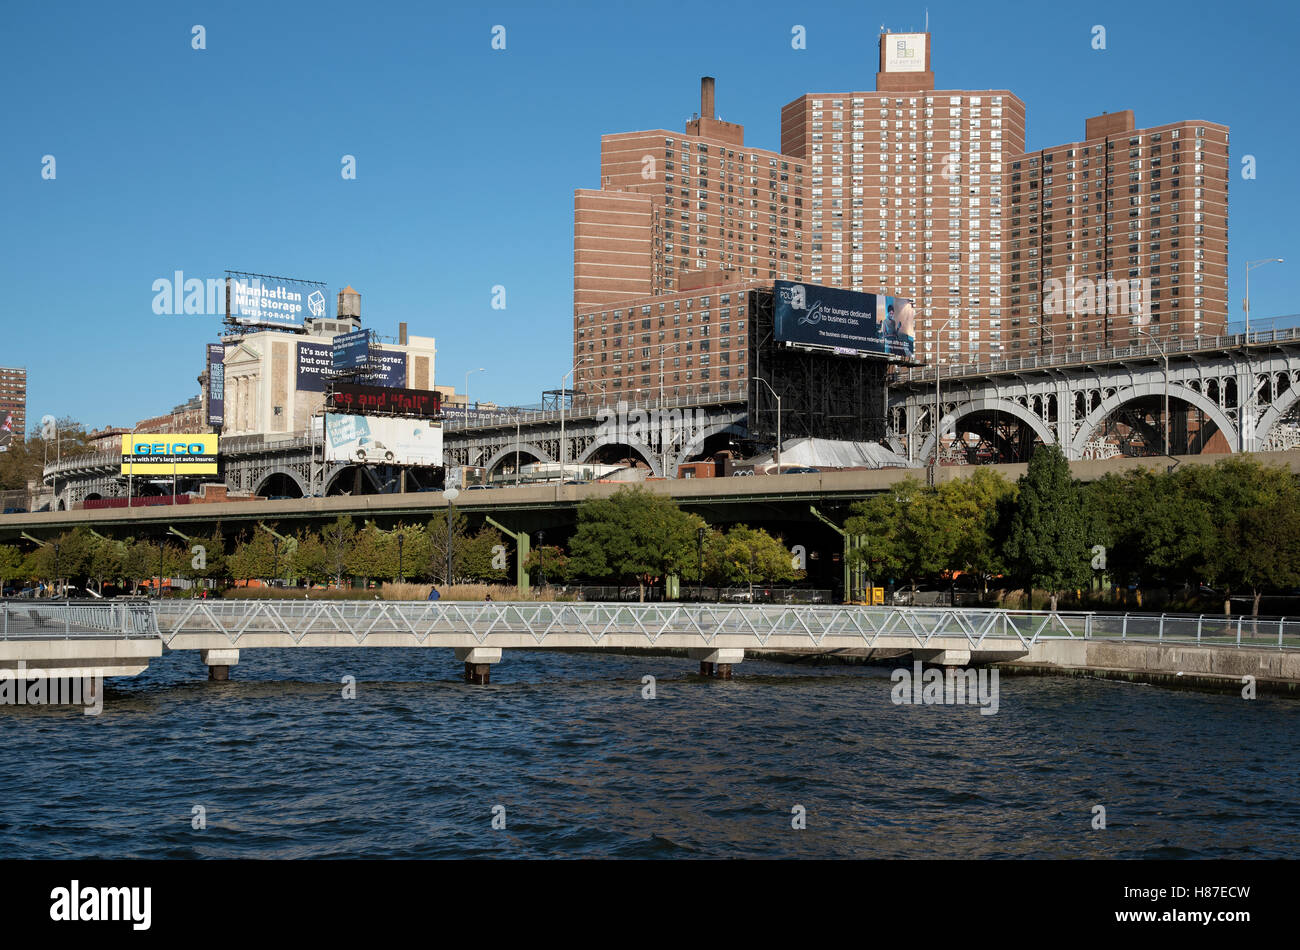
point(382, 440)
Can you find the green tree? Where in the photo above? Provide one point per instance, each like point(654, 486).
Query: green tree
point(547, 562)
point(336, 539)
point(1046, 543)
point(13, 565)
point(974, 503)
point(310, 560)
point(107, 561)
point(437, 539)
point(482, 552)
point(750, 555)
point(632, 535)
point(256, 557)
point(26, 458)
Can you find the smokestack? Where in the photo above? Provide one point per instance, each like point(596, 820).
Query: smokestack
point(706, 97)
point(401, 334)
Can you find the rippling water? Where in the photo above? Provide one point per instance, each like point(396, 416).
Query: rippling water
point(584, 766)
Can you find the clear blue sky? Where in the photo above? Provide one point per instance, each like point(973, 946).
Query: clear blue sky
point(172, 159)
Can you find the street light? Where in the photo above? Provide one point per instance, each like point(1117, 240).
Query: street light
point(275, 564)
point(467, 375)
point(56, 565)
point(450, 495)
point(938, 415)
point(1150, 336)
point(1250, 266)
point(699, 544)
point(563, 387)
point(400, 539)
point(541, 559)
point(776, 456)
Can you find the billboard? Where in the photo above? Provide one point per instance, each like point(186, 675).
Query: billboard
point(383, 440)
point(6, 431)
point(149, 454)
point(255, 300)
point(351, 350)
point(904, 52)
point(844, 320)
point(216, 384)
point(351, 397)
point(316, 365)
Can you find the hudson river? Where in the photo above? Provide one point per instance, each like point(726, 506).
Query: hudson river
point(415, 766)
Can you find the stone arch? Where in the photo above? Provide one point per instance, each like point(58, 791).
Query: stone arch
point(1088, 428)
point(525, 448)
point(292, 476)
point(949, 421)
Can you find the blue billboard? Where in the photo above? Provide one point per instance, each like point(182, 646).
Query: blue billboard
point(255, 300)
point(844, 320)
point(351, 350)
point(316, 366)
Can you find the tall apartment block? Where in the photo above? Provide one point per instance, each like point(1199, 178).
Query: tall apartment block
point(906, 190)
point(1125, 231)
point(13, 404)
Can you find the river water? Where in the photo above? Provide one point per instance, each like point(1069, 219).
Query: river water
point(564, 749)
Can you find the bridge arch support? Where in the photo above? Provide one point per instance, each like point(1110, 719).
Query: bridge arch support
point(1274, 414)
point(648, 455)
point(524, 448)
point(988, 404)
point(1088, 428)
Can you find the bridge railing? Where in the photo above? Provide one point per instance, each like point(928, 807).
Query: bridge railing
point(814, 623)
point(67, 619)
point(1098, 354)
point(583, 408)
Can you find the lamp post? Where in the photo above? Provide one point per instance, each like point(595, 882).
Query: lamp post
point(275, 564)
point(400, 537)
point(162, 547)
point(563, 386)
point(541, 559)
point(699, 546)
point(56, 565)
point(776, 456)
point(467, 375)
point(1147, 333)
point(450, 495)
point(938, 412)
point(1250, 266)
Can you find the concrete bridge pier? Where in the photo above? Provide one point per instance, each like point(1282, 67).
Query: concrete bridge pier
point(478, 663)
point(943, 657)
point(717, 663)
point(219, 663)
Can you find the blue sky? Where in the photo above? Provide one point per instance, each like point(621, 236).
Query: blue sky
point(173, 159)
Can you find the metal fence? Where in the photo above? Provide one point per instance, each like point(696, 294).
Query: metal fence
point(136, 619)
point(67, 619)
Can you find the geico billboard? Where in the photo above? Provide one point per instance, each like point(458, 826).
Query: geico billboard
point(382, 440)
point(146, 454)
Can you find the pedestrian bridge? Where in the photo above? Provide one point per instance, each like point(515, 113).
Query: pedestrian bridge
point(65, 639)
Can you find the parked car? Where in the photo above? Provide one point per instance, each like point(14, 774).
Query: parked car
point(801, 470)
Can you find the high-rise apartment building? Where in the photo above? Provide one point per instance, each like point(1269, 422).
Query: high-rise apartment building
point(13, 405)
point(906, 193)
point(1125, 231)
point(906, 190)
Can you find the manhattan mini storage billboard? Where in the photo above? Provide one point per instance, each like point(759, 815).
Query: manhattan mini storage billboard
point(844, 320)
point(382, 440)
point(147, 454)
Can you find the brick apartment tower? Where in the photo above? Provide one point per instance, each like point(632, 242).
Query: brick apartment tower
point(905, 190)
point(1124, 205)
point(906, 187)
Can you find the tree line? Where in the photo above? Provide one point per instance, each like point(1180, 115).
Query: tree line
point(1233, 526)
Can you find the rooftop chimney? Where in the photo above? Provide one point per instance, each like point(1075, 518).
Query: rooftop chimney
point(706, 97)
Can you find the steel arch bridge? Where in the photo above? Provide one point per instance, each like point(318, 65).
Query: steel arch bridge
point(1225, 396)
